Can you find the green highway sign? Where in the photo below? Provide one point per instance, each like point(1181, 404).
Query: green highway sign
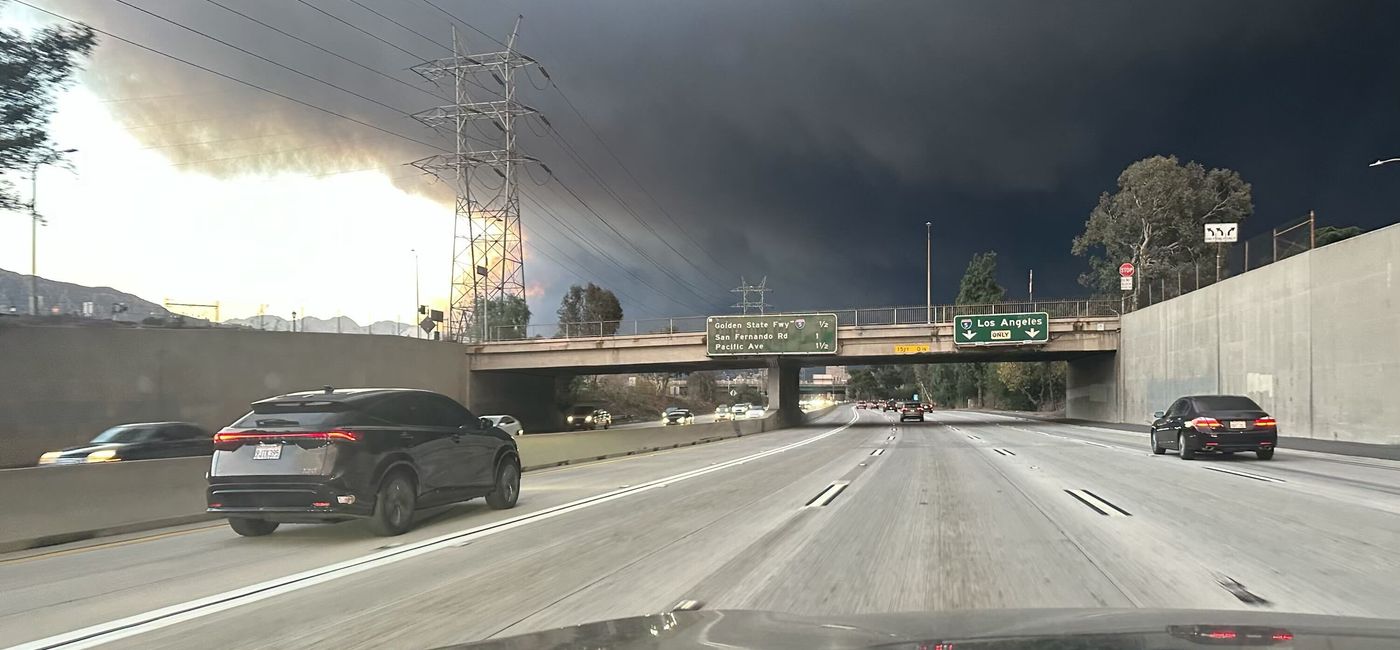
point(733, 336)
point(1002, 329)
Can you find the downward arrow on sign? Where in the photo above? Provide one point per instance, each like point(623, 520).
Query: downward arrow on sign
point(1033, 333)
point(969, 334)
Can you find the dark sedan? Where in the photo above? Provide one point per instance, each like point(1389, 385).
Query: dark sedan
point(369, 453)
point(1222, 424)
point(911, 411)
point(139, 441)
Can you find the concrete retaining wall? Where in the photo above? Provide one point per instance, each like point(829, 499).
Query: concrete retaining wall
point(1312, 338)
point(61, 386)
point(40, 506)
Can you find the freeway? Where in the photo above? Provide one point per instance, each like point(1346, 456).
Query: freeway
point(854, 513)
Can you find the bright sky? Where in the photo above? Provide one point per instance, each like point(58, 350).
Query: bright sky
point(126, 217)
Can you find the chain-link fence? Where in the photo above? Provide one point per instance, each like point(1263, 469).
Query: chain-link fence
point(1281, 242)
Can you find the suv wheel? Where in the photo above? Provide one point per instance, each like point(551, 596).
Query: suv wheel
point(251, 527)
point(393, 506)
point(507, 489)
point(1181, 450)
point(1156, 448)
point(1265, 454)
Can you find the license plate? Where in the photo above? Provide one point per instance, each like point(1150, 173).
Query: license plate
point(1239, 424)
point(267, 452)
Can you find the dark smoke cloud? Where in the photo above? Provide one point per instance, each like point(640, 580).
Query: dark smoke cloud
point(808, 140)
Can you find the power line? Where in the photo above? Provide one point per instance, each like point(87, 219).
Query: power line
point(629, 173)
point(622, 202)
point(358, 29)
point(470, 26)
point(599, 250)
point(679, 281)
point(227, 76)
point(392, 78)
point(259, 56)
point(403, 26)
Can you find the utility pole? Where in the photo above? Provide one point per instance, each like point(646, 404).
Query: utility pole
point(745, 303)
point(34, 221)
point(417, 302)
point(486, 232)
point(1030, 286)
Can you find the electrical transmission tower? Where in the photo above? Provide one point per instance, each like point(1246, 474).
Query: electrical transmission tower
point(745, 290)
point(488, 256)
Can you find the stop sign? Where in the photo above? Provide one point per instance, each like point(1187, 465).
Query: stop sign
point(1126, 269)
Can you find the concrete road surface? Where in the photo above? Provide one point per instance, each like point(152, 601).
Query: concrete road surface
point(855, 514)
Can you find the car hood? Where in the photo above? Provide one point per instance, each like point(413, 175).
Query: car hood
point(1025, 629)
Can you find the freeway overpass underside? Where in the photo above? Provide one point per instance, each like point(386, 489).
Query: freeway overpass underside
point(525, 378)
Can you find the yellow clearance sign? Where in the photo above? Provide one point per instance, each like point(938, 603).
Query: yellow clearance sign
point(912, 348)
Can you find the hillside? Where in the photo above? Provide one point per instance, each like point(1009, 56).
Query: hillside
point(69, 298)
point(339, 324)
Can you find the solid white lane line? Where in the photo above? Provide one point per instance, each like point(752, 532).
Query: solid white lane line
point(99, 634)
point(1096, 444)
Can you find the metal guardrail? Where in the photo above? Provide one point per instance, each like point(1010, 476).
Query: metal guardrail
point(844, 317)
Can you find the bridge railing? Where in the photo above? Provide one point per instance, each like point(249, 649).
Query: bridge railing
point(845, 318)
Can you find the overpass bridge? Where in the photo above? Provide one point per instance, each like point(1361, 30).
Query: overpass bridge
point(518, 375)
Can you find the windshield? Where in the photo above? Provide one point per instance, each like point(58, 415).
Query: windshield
point(1149, 324)
point(1225, 403)
point(124, 434)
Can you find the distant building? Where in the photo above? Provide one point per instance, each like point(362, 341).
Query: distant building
point(839, 374)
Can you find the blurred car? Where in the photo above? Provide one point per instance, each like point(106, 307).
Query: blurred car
point(722, 413)
point(755, 411)
point(138, 441)
point(678, 416)
point(740, 411)
point(1214, 424)
point(588, 417)
point(911, 411)
point(506, 423)
point(377, 454)
point(887, 406)
point(860, 404)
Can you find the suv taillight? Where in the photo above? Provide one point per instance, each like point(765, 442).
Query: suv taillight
point(233, 439)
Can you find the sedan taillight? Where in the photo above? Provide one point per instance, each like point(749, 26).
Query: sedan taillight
point(1265, 423)
point(1204, 424)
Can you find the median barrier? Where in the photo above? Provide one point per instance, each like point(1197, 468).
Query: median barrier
point(43, 506)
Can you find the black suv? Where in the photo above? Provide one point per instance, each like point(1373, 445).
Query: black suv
point(376, 454)
point(1214, 424)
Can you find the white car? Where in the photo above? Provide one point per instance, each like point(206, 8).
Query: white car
point(740, 411)
point(756, 412)
point(723, 413)
point(506, 423)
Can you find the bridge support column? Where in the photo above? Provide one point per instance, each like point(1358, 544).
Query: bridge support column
point(785, 391)
point(1092, 388)
point(533, 398)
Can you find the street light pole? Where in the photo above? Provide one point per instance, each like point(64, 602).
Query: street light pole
point(34, 221)
point(417, 302)
point(928, 271)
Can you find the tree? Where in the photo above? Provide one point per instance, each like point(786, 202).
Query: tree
point(589, 310)
point(506, 318)
point(1155, 220)
point(954, 384)
point(701, 386)
point(1036, 385)
point(1331, 234)
point(31, 70)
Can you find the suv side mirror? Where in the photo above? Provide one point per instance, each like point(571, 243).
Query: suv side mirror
point(485, 423)
point(1157, 415)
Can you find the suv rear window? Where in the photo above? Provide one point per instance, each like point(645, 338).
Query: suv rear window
point(286, 418)
point(1225, 403)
